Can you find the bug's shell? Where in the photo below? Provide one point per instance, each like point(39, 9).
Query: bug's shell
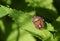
point(38, 22)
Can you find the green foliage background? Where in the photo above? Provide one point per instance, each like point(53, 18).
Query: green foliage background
point(16, 20)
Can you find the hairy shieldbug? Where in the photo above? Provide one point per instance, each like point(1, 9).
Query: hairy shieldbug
point(38, 22)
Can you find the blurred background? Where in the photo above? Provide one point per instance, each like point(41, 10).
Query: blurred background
point(16, 20)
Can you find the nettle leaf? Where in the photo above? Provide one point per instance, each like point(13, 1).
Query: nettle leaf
point(27, 30)
point(25, 36)
point(20, 35)
point(50, 27)
point(42, 33)
point(58, 19)
point(52, 39)
point(2, 27)
point(21, 17)
point(41, 3)
point(4, 11)
point(12, 36)
point(14, 26)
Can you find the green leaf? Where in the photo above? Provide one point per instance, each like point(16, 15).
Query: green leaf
point(2, 26)
point(20, 35)
point(52, 39)
point(41, 3)
point(25, 36)
point(4, 11)
point(50, 27)
point(20, 17)
point(14, 26)
point(42, 33)
point(58, 19)
point(12, 36)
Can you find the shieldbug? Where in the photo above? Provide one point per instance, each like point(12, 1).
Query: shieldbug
point(38, 22)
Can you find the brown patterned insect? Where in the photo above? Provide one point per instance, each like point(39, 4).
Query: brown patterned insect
point(38, 22)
